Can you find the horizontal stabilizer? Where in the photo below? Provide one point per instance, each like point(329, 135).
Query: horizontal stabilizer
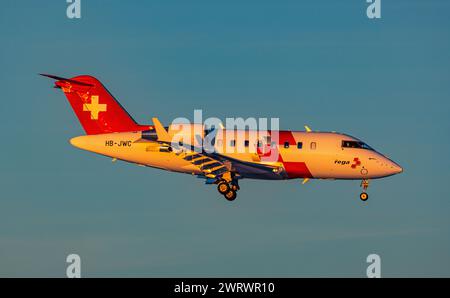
point(66, 80)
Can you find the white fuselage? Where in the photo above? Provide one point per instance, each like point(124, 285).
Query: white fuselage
point(300, 154)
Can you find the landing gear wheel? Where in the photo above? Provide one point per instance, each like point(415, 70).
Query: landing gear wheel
point(364, 196)
point(364, 184)
point(230, 195)
point(223, 187)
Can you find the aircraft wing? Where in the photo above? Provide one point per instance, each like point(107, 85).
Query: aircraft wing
point(213, 164)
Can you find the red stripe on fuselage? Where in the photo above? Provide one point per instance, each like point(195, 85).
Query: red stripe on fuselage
point(293, 169)
point(297, 170)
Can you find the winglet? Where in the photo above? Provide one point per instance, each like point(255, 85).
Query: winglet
point(307, 128)
point(161, 132)
point(305, 180)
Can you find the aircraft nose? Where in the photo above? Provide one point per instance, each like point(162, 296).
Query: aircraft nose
point(396, 169)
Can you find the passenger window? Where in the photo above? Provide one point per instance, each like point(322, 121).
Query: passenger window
point(259, 144)
point(286, 145)
point(232, 143)
point(313, 145)
point(246, 143)
point(299, 145)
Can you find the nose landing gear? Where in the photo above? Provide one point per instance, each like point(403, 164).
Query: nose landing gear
point(363, 196)
point(364, 184)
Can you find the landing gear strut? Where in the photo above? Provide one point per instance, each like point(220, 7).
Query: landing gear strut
point(364, 184)
point(228, 190)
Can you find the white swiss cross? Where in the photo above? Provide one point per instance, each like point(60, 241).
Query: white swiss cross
point(94, 107)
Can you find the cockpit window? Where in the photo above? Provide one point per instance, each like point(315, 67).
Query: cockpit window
point(355, 144)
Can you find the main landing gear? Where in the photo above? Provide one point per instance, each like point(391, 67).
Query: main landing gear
point(228, 190)
point(364, 184)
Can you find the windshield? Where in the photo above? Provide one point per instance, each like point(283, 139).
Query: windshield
point(355, 144)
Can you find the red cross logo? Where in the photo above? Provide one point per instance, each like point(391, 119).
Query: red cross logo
point(357, 163)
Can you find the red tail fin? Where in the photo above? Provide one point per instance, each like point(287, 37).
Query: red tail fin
point(97, 110)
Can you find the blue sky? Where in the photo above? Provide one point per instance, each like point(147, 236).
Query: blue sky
point(320, 63)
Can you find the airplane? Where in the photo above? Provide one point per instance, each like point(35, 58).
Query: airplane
point(112, 132)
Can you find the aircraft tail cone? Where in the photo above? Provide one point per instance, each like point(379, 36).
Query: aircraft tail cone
point(78, 142)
